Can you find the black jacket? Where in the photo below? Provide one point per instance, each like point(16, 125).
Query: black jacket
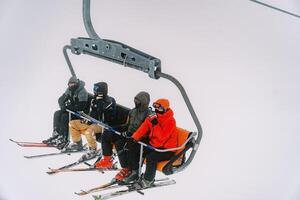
point(103, 109)
point(75, 101)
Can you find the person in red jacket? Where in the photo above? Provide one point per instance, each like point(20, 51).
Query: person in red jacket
point(158, 130)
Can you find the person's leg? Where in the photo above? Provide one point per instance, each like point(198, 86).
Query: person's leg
point(90, 135)
point(151, 163)
point(55, 133)
point(63, 125)
point(56, 120)
point(107, 145)
point(120, 145)
point(125, 172)
point(133, 155)
point(76, 128)
point(152, 158)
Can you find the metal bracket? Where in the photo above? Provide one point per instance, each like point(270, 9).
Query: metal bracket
point(118, 53)
point(110, 50)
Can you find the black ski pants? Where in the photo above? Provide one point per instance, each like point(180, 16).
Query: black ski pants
point(152, 158)
point(108, 140)
point(61, 123)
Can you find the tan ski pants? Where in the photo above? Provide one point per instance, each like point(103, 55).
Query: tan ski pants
point(78, 127)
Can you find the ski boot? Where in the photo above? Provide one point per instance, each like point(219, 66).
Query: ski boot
point(92, 153)
point(133, 176)
point(122, 175)
point(76, 146)
point(52, 138)
point(142, 183)
point(106, 163)
point(61, 142)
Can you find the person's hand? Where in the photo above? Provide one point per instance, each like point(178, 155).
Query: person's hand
point(154, 121)
point(131, 142)
point(84, 121)
point(125, 135)
point(68, 103)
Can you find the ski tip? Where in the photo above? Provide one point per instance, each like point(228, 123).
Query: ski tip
point(81, 193)
point(140, 192)
point(97, 197)
point(50, 172)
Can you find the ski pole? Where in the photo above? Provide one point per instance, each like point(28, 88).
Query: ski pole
point(109, 128)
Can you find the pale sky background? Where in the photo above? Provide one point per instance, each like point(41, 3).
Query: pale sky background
point(239, 62)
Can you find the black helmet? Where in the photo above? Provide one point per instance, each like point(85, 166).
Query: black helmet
point(100, 89)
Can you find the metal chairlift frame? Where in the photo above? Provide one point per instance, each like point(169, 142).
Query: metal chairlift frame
point(123, 54)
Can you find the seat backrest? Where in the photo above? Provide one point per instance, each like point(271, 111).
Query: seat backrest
point(121, 114)
point(182, 136)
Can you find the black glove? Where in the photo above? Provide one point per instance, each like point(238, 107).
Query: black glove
point(131, 142)
point(85, 121)
point(68, 103)
point(126, 135)
point(154, 121)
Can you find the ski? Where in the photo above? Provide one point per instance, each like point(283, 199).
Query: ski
point(111, 185)
point(54, 171)
point(31, 144)
point(54, 154)
point(82, 169)
point(131, 189)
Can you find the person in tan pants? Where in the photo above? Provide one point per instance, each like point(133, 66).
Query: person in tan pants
point(103, 108)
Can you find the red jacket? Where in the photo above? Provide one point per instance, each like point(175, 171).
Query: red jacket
point(163, 135)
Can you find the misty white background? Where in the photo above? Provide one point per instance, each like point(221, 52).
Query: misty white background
point(238, 61)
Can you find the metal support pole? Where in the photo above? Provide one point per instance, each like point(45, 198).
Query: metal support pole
point(86, 7)
point(70, 116)
point(68, 59)
point(141, 160)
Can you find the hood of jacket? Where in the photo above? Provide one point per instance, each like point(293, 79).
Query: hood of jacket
point(144, 98)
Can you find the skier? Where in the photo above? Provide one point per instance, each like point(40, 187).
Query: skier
point(103, 108)
point(160, 130)
point(135, 118)
point(75, 98)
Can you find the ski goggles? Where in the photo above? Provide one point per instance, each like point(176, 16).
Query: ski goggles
point(159, 107)
point(97, 90)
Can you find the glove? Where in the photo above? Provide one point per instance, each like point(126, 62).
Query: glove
point(130, 142)
point(68, 103)
point(84, 121)
point(125, 135)
point(154, 121)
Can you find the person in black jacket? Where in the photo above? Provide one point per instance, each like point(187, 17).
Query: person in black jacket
point(75, 98)
point(135, 118)
point(103, 108)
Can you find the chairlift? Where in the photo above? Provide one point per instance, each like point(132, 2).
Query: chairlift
point(127, 56)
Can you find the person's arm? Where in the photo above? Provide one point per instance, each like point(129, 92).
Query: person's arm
point(61, 101)
point(122, 127)
point(81, 101)
point(164, 132)
point(142, 130)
